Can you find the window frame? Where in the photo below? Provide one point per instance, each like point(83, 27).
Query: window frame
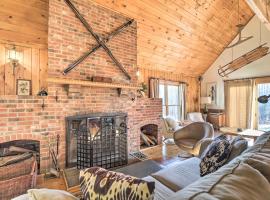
point(258, 81)
point(166, 84)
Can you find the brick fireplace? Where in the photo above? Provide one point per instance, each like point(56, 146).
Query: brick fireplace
point(23, 117)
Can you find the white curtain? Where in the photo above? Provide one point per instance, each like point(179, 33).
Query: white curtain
point(239, 106)
point(154, 88)
point(182, 100)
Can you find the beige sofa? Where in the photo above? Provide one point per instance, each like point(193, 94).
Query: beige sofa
point(246, 177)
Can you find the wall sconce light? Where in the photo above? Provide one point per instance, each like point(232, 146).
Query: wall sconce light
point(138, 73)
point(14, 57)
point(43, 93)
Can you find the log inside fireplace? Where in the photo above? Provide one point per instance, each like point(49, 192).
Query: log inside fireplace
point(149, 135)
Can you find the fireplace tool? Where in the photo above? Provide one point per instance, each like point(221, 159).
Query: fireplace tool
point(54, 169)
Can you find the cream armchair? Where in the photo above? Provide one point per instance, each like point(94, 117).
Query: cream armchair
point(195, 117)
point(169, 126)
point(190, 137)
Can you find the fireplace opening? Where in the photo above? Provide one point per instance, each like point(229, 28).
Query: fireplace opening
point(97, 139)
point(148, 135)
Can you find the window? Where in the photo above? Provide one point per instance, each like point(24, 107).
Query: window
point(242, 108)
point(172, 95)
point(264, 109)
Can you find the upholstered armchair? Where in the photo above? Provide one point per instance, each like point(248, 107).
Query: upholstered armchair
point(169, 126)
point(195, 117)
point(190, 137)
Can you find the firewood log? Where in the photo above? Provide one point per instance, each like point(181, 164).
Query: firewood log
point(145, 139)
point(149, 140)
point(20, 150)
point(153, 138)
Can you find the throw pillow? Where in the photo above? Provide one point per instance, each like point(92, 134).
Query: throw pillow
point(239, 144)
point(100, 184)
point(49, 194)
point(215, 156)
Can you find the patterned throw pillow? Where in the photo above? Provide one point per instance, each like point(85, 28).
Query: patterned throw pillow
point(99, 184)
point(215, 155)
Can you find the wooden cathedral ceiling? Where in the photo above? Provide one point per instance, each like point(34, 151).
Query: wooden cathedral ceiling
point(184, 36)
point(24, 22)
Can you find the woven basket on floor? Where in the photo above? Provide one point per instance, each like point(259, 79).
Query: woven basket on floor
point(17, 178)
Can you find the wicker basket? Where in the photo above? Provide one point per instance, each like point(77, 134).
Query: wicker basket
point(17, 178)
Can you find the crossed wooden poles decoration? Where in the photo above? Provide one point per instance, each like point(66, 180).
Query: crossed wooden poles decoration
point(101, 43)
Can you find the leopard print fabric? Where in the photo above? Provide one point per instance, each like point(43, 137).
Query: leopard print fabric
point(99, 184)
point(215, 156)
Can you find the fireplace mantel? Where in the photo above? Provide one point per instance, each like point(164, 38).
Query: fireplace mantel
point(66, 81)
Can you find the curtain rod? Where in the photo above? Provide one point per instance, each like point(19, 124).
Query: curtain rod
point(250, 78)
point(181, 82)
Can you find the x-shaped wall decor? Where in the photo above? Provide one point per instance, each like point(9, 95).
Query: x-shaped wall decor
point(100, 42)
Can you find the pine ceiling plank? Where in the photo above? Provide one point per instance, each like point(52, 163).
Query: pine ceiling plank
point(182, 35)
point(24, 21)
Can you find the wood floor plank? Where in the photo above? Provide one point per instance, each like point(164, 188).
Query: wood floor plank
point(162, 154)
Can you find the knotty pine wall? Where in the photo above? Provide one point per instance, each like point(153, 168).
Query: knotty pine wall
point(193, 88)
point(32, 66)
point(25, 25)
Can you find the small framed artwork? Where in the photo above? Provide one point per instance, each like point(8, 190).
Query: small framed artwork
point(212, 92)
point(23, 87)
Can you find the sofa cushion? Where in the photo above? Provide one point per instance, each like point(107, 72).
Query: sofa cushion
point(262, 142)
point(161, 191)
point(100, 184)
point(179, 175)
point(239, 144)
point(261, 162)
point(233, 181)
point(215, 156)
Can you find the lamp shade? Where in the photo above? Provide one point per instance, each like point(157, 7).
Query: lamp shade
point(206, 100)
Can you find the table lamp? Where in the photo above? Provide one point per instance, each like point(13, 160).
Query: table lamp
point(205, 101)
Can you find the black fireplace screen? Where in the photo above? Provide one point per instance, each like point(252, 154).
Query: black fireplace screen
point(97, 140)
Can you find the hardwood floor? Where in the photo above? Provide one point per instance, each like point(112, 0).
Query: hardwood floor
point(162, 154)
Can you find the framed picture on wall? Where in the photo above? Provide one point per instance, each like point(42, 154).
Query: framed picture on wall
point(23, 87)
point(211, 91)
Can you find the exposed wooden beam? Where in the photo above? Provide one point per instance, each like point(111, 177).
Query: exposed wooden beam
point(262, 10)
